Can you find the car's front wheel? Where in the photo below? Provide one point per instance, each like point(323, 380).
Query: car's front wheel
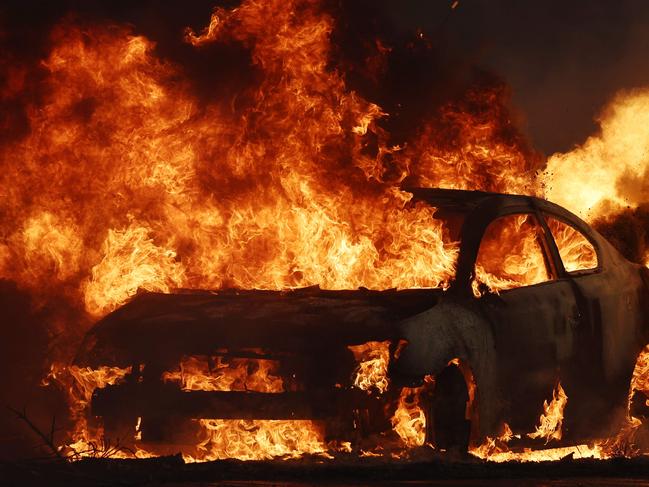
point(450, 427)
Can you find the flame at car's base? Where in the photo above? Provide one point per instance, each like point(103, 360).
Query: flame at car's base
point(257, 439)
point(550, 422)
point(266, 439)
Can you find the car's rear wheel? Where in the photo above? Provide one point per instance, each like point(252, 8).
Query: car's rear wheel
point(450, 427)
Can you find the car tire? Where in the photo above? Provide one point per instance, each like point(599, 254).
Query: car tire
point(450, 427)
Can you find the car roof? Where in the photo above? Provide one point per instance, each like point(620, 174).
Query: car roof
point(465, 200)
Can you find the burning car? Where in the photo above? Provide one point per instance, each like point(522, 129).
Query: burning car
point(540, 305)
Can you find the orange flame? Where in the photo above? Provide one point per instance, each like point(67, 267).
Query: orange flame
point(510, 256)
point(140, 186)
point(257, 439)
point(372, 372)
point(80, 383)
point(544, 455)
point(624, 443)
point(640, 378)
point(551, 420)
point(493, 447)
point(127, 181)
point(576, 252)
point(615, 161)
point(233, 375)
point(244, 439)
point(409, 419)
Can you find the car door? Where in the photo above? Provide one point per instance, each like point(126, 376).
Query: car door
point(598, 372)
point(532, 310)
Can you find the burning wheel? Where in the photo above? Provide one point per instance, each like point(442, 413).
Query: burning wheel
point(450, 427)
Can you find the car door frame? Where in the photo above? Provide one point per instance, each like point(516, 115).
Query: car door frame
point(472, 234)
point(590, 395)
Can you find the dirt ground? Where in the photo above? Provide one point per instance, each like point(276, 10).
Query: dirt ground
point(173, 472)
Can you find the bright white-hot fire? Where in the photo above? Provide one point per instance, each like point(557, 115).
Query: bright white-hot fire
point(615, 161)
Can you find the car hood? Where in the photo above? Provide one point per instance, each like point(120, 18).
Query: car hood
point(164, 327)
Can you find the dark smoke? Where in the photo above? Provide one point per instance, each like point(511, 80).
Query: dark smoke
point(627, 231)
point(24, 346)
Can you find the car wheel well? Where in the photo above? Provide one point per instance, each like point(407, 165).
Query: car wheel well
point(456, 383)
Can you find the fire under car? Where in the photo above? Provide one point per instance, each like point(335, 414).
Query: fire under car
point(538, 299)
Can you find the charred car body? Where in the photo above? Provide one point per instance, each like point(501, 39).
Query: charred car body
point(575, 313)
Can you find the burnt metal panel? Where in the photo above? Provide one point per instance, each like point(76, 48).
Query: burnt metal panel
point(157, 327)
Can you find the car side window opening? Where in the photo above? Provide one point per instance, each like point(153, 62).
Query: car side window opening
point(511, 255)
point(576, 251)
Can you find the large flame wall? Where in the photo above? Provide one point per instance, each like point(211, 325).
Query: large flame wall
point(126, 181)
